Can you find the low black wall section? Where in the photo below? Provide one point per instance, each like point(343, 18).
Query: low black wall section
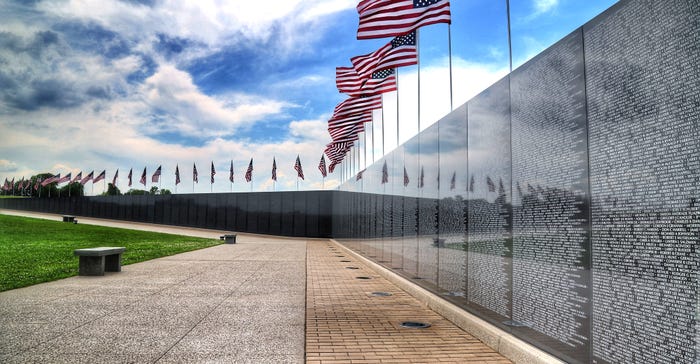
point(295, 214)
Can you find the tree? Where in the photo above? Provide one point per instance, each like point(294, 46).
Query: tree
point(112, 190)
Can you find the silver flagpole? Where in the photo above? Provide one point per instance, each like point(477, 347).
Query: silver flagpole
point(449, 44)
point(418, 56)
point(510, 44)
point(397, 106)
point(365, 144)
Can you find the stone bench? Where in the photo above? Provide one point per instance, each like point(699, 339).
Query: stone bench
point(69, 218)
point(97, 261)
point(228, 238)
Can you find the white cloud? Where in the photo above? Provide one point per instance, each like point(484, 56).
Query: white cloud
point(543, 6)
point(7, 166)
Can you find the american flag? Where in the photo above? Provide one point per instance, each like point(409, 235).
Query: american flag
point(230, 172)
point(385, 174)
point(347, 79)
point(405, 177)
point(77, 177)
point(99, 177)
point(274, 169)
point(129, 176)
point(37, 182)
point(43, 184)
point(400, 52)
point(357, 105)
point(297, 166)
point(87, 178)
point(322, 166)
point(195, 175)
point(380, 82)
point(177, 174)
point(65, 178)
point(331, 167)
point(114, 179)
point(335, 123)
point(249, 172)
point(143, 177)
point(156, 176)
point(213, 171)
point(390, 18)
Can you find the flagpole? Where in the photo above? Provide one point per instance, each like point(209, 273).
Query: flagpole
point(397, 105)
point(418, 64)
point(510, 44)
point(449, 44)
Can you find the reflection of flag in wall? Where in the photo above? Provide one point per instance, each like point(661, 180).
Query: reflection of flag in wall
point(501, 188)
point(114, 179)
point(471, 184)
point(520, 190)
point(490, 184)
point(385, 173)
point(405, 177)
point(388, 18)
point(130, 174)
point(274, 169)
point(99, 177)
point(420, 181)
point(195, 175)
point(156, 176)
point(322, 166)
point(359, 175)
point(177, 174)
point(213, 172)
point(531, 189)
point(249, 172)
point(297, 166)
point(453, 181)
point(143, 177)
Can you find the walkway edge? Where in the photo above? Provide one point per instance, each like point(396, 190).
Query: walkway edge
point(502, 342)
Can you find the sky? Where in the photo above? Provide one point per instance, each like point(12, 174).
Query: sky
point(92, 85)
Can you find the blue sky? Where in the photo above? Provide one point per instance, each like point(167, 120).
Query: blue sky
point(118, 84)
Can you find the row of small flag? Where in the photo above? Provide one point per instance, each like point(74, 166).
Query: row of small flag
point(374, 74)
point(155, 178)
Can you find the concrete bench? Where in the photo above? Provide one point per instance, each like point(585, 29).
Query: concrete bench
point(228, 238)
point(97, 261)
point(68, 218)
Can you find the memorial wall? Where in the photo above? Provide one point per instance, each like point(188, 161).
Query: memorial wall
point(561, 203)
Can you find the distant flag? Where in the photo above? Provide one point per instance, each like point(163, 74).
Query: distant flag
point(130, 174)
point(65, 178)
point(99, 177)
point(77, 177)
point(230, 172)
point(156, 175)
point(46, 181)
point(388, 18)
point(297, 166)
point(274, 169)
point(490, 184)
point(385, 173)
point(36, 184)
point(114, 179)
point(399, 52)
point(195, 175)
point(177, 174)
point(421, 181)
point(322, 166)
point(249, 172)
point(471, 184)
point(87, 178)
point(359, 175)
point(143, 177)
point(405, 177)
point(453, 181)
point(213, 172)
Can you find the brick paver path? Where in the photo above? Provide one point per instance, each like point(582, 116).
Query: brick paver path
point(345, 323)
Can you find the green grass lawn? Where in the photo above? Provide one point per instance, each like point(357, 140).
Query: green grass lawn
point(35, 250)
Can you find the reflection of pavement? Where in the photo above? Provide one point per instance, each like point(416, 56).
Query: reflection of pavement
point(229, 303)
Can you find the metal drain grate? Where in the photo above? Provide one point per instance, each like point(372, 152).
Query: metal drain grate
point(352, 268)
point(363, 277)
point(415, 325)
point(381, 294)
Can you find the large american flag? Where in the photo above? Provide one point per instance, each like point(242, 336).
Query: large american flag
point(380, 82)
point(390, 18)
point(335, 123)
point(347, 133)
point(347, 79)
point(322, 166)
point(357, 105)
point(297, 166)
point(400, 52)
point(249, 172)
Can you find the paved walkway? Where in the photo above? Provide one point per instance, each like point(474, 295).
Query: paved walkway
point(242, 303)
